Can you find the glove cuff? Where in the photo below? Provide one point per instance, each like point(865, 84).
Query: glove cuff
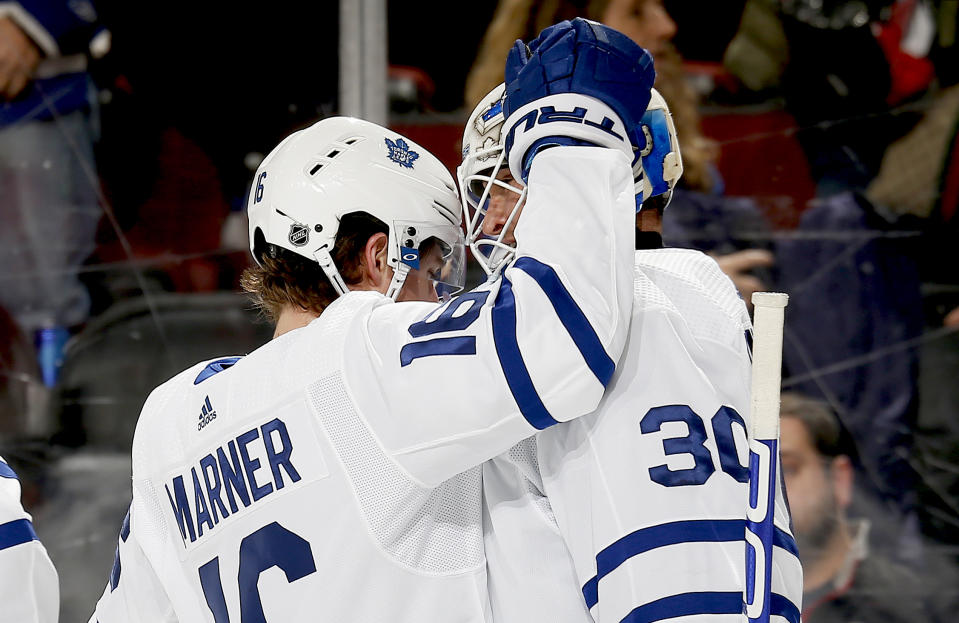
point(563, 116)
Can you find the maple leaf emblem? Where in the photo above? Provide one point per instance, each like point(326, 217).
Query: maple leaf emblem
point(400, 153)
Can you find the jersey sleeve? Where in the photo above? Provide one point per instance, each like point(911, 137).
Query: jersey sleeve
point(30, 589)
point(134, 591)
point(444, 388)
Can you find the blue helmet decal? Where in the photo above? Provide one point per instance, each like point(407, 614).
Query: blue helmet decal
point(410, 257)
point(495, 109)
point(657, 149)
point(400, 153)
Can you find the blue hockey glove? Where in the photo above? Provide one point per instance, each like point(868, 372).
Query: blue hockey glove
point(578, 83)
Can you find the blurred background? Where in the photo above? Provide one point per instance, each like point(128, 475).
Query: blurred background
point(822, 160)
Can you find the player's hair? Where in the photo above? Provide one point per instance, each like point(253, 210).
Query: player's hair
point(525, 19)
point(820, 421)
point(287, 279)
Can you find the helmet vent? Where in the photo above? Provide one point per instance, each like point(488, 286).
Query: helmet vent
point(316, 168)
point(445, 210)
point(350, 141)
point(333, 154)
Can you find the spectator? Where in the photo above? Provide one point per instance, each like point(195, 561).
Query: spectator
point(845, 579)
point(646, 22)
point(842, 102)
point(49, 210)
point(701, 217)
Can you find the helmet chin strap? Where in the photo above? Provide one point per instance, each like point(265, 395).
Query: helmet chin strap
point(399, 277)
point(325, 260)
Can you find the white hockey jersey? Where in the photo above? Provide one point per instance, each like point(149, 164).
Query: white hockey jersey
point(530, 573)
point(650, 491)
point(29, 586)
point(332, 473)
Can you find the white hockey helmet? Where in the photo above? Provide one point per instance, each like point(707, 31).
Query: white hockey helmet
point(341, 165)
point(661, 160)
point(483, 159)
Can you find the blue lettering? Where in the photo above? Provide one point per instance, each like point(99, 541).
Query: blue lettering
point(232, 477)
point(202, 512)
point(251, 465)
point(275, 458)
point(181, 508)
point(606, 126)
point(208, 466)
point(530, 119)
point(548, 114)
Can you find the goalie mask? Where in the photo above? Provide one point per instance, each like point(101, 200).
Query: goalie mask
point(662, 163)
point(484, 161)
point(341, 165)
point(655, 173)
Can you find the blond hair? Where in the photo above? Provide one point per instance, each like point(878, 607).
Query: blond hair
point(284, 279)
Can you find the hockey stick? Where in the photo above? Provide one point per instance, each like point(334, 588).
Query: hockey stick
point(768, 318)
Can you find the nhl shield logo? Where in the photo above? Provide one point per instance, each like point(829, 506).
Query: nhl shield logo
point(400, 153)
point(299, 234)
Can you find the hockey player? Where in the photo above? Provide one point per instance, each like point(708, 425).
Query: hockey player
point(332, 472)
point(29, 587)
point(648, 493)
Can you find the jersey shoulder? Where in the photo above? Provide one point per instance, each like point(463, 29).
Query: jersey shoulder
point(690, 285)
point(691, 278)
point(10, 506)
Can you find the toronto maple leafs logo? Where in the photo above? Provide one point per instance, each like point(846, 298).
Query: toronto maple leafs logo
point(400, 153)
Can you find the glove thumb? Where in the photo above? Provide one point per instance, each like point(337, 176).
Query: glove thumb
point(517, 58)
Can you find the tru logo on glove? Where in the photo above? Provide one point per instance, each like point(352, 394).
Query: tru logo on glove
point(549, 114)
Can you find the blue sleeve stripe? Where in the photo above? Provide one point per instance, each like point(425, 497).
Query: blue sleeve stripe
point(783, 539)
point(437, 346)
point(591, 592)
point(692, 604)
point(16, 532)
point(686, 604)
point(511, 360)
point(780, 605)
point(125, 526)
point(7, 472)
point(117, 569)
point(662, 535)
point(572, 317)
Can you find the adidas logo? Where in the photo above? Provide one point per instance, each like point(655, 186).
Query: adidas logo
point(207, 414)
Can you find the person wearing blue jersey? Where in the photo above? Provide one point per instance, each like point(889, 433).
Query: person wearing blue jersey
point(48, 128)
point(648, 494)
